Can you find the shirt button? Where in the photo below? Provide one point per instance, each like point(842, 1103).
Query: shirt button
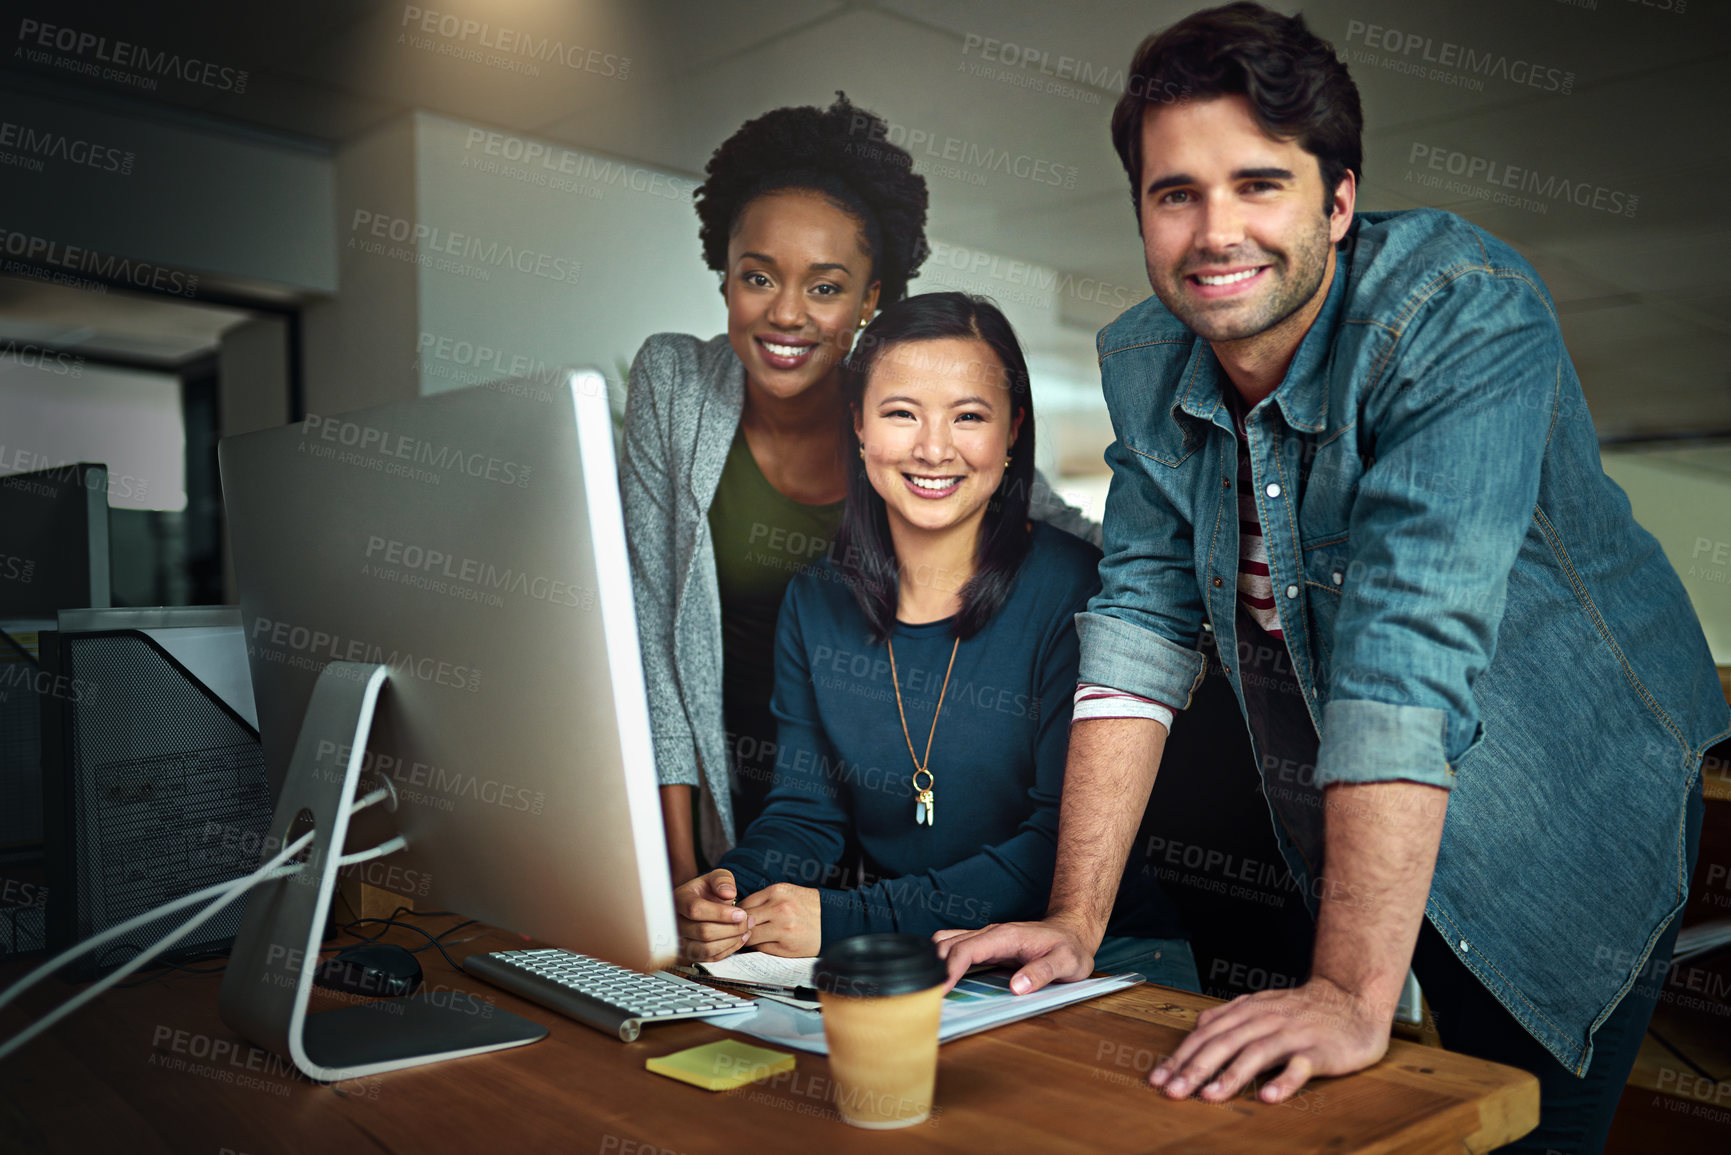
point(1273, 490)
point(1209, 626)
point(1291, 591)
point(1337, 577)
point(1225, 483)
point(1218, 583)
point(1464, 947)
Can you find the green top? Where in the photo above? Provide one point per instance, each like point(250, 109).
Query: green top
point(762, 538)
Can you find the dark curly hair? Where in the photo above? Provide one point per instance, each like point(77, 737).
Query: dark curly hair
point(1298, 89)
point(842, 152)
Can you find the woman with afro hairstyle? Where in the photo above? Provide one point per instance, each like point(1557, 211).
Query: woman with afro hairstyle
point(733, 472)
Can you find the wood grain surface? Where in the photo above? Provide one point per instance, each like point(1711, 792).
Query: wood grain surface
point(153, 1069)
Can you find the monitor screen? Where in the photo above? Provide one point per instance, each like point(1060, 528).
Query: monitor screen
point(473, 544)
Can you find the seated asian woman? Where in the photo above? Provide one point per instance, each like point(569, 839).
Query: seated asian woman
point(924, 672)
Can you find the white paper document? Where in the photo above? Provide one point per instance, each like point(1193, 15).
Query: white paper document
point(979, 1002)
point(761, 969)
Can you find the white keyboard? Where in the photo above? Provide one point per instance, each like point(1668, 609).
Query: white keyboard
point(607, 997)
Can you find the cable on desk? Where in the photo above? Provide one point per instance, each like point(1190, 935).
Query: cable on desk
point(225, 894)
point(390, 846)
point(393, 921)
point(221, 956)
point(448, 932)
point(442, 935)
point(221, 894)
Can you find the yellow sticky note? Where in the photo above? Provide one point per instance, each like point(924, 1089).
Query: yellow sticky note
point(721, 1066)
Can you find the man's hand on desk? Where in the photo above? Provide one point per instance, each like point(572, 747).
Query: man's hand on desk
point(1315, 1029)
point(1050, 951)
point(1382, 840)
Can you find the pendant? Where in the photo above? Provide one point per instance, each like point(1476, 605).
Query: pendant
point(923, 809)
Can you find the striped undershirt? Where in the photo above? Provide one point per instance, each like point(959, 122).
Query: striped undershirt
point(1255, 586)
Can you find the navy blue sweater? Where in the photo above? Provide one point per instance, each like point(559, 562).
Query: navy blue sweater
point(842, 787)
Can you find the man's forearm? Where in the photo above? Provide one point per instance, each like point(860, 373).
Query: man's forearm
point(1381, 847)
point(1107, 779)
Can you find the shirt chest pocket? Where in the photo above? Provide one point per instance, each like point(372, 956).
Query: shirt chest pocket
point(1151, 422)
point(1330, 489)
point(1327, 576)
point(1165, 438)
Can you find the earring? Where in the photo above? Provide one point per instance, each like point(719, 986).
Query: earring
point(862, 453)
point(1007, 461)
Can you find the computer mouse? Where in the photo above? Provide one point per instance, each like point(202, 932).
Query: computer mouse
point(373, 970)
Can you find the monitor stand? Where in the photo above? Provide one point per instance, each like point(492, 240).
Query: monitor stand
point(269, 979)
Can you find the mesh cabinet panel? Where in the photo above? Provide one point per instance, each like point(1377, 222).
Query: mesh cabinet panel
point(165, 793)
point(21, 893)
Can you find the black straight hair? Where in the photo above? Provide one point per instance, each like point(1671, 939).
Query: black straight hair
point(863, 552)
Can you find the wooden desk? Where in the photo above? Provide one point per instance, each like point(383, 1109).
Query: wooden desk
point(153, 1069)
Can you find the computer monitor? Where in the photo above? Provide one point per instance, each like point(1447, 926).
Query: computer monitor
point(472, 544)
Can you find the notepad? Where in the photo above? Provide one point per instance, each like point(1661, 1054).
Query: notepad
point(761, 969)
point(722, 1066)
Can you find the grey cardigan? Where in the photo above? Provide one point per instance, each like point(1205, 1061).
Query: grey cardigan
point(681, 411)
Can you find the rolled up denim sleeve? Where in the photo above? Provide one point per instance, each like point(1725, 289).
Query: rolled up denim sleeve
point(1148, 597)
point(1138, 661)
point(1458, 430)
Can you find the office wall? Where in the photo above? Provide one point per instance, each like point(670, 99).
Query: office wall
point(359, 345)
point(236, 204)
point(536, 256)
point(252, 375)
point(153, 197)
point(252, 393)
point(64, 409)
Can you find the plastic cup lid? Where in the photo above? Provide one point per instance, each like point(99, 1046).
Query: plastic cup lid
point(877, 965)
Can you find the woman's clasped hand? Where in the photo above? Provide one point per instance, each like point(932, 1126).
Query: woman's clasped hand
point(714, 922)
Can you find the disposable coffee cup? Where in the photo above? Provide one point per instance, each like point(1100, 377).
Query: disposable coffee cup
point(881, 997)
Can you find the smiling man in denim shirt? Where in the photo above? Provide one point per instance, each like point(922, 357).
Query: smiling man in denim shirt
point(1353, 448)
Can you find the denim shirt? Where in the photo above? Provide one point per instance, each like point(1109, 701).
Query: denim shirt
point(1466, 597)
